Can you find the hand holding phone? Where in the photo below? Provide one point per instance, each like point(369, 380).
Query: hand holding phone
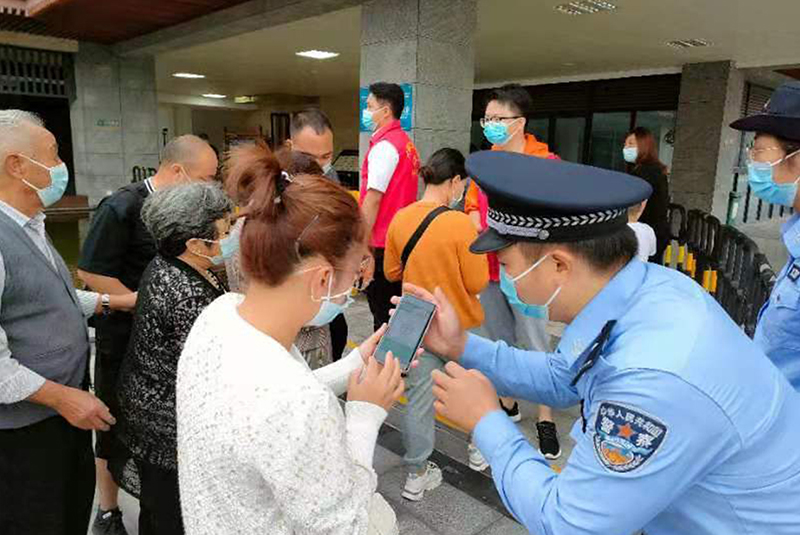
point(407, 328)
point(376, 384)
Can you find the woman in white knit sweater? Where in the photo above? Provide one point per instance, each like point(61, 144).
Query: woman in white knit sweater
point(263, 444)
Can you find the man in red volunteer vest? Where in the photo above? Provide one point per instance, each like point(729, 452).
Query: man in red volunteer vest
point(388, 183)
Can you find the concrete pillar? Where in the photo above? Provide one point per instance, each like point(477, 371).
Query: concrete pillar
point(706, 149)
point(114, 119)
point(431, 45)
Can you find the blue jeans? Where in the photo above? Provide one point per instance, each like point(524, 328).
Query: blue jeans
point(419, 431)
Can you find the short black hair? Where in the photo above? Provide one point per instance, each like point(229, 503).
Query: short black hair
point(602, 253)
point(390, 94)
point(310, 117)
point(442, 166)
point(515, 97)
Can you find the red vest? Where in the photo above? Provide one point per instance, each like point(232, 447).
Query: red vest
point(402, 189)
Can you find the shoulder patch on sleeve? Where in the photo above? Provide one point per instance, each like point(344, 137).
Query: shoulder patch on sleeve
point(626, 438)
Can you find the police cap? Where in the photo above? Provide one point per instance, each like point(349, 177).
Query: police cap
point(550, 201)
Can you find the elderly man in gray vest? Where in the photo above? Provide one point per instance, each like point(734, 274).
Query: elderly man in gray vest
point(46, 414)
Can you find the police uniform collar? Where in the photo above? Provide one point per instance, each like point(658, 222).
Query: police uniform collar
point(609, 304)
point(541, 200)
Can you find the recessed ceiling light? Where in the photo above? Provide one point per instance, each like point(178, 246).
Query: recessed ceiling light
point(214, 95)
point(190, 75)
point(682, 44)
point(317, 54)
point(585, 7)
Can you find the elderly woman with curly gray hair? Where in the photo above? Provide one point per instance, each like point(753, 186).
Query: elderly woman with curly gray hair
point(191, 226)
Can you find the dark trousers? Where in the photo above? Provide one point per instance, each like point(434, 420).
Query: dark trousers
point(112, 337)
point(380, 293)
point(159, 502)
point(338, 336)
point(46, 479)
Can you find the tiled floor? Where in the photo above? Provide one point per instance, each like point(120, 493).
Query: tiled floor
point(448, 510)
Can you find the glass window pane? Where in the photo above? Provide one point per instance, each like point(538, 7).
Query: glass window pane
point(608, 138)
point(539, 128)
point(570, 133)
point(662, 124)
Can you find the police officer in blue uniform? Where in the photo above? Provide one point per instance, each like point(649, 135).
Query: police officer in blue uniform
point(773, 175)
point(686, 427)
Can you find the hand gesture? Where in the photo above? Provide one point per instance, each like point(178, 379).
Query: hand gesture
point(463, 396)
point(381, 386)
point(84, 411)
point(445, 336)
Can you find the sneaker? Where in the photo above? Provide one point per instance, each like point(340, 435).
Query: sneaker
point(513, 412)
point(417, 485)
point(548, 440)
point(109, 523)
point(476, 460)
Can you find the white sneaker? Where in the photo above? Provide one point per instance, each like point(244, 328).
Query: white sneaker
point(417, 485)
point(476, 460)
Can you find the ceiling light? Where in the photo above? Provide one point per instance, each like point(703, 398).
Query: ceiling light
point(245, 99)
point(189, 75)
point(214, 95)
point(317, 54)
point(682, 44)
point(585, 7)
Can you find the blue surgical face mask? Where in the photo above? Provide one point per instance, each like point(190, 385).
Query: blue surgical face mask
point(761, 177)
point(630, 154)
point(509, 289)
point(497, 133)
point(59, 178)
point(329, 309)
point(228, 246)
point(367, 117)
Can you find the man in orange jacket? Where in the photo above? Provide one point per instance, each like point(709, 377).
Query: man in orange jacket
point(504, 126)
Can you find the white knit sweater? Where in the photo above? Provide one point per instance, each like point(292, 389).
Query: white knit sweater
point(263, 444)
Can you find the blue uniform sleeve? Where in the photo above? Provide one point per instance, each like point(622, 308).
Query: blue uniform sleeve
point(530, 375)
point(649, 437)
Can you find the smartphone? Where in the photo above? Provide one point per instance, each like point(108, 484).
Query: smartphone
point(407, 329)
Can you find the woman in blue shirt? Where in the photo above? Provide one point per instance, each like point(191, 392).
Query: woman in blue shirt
point(773, 176)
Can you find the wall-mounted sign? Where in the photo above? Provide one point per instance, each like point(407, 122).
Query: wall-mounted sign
point(109, 123)
point(405, 118)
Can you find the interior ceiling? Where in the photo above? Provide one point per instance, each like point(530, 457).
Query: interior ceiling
point(111, 21)
point(516, 40)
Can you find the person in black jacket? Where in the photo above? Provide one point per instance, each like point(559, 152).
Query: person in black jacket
point(641, 155)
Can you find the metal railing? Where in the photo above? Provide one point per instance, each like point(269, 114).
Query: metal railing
point(723, 260)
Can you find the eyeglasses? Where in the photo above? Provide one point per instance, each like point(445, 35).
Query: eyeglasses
point(752, 151)
point(490, 120)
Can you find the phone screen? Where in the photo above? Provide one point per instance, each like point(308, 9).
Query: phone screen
point(407, 327)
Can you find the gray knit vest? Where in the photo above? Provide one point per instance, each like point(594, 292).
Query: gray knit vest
point(42, 318)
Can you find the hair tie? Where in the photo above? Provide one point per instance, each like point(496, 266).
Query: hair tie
point(281, 184)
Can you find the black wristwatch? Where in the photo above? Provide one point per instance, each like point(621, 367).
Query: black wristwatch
point(105, 302)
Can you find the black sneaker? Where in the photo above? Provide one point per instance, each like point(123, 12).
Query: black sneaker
point(109, 523)
point(513, 412)
point(548, 440)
